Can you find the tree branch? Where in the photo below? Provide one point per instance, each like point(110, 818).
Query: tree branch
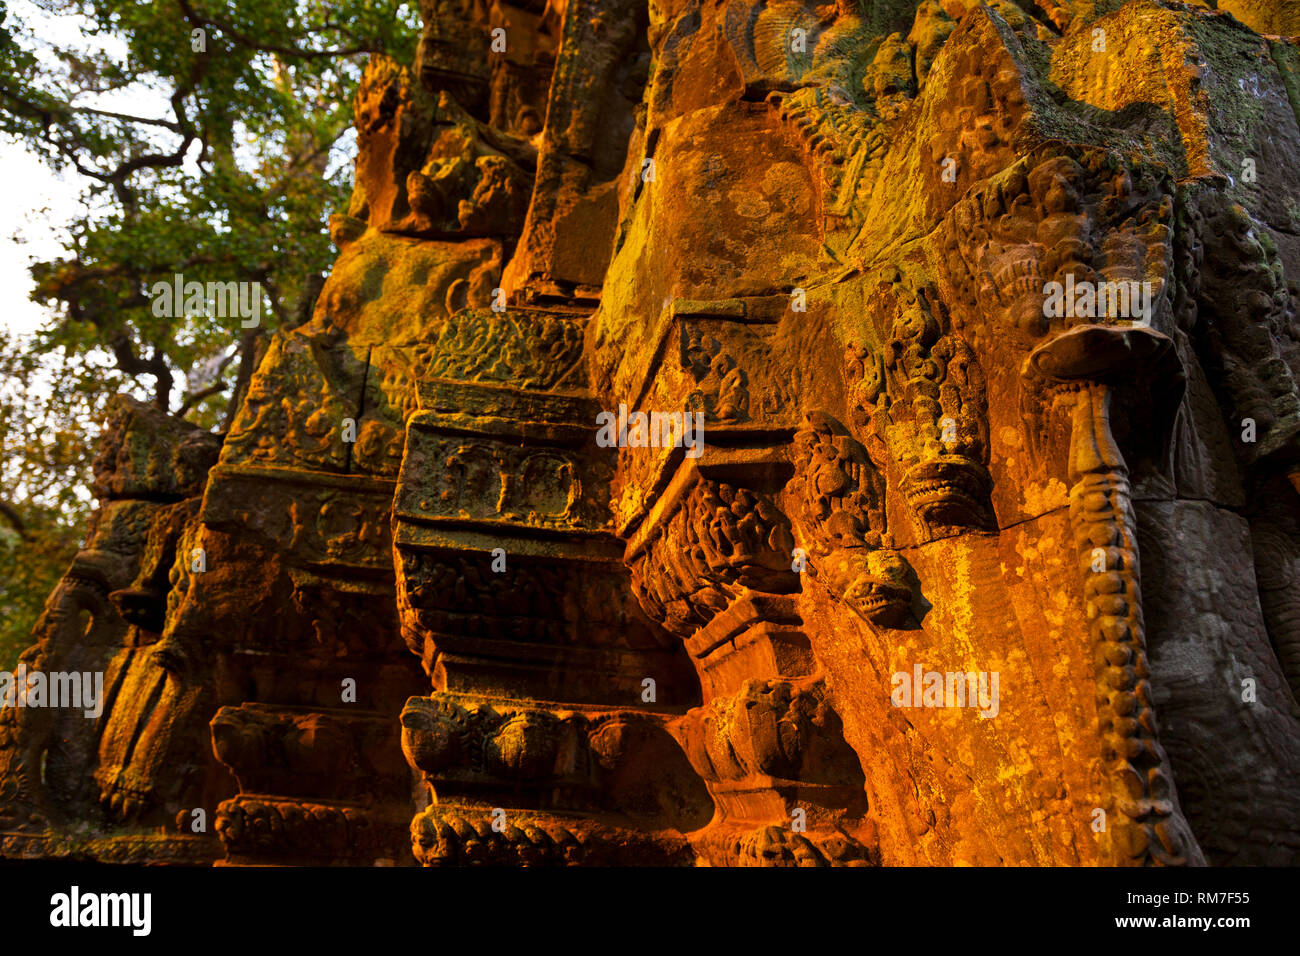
point(133, 365)
point(15, 519)
point(248, 359)
point(192, 401)
point(125, 117)
point(203, 20)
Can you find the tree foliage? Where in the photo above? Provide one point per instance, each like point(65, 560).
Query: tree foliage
point(212, 139)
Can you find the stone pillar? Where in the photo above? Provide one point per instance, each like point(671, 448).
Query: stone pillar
point(544, 740)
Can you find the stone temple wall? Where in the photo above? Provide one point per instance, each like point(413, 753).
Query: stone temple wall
point(978, 542)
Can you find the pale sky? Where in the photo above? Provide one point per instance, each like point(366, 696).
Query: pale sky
point(35, 203)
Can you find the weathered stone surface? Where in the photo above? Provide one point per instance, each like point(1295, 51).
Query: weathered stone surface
point(94, 785)
point(824, 237)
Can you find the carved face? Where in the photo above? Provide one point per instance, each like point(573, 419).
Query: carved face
point(433, 841)
point(531, 846)
point(476, 843)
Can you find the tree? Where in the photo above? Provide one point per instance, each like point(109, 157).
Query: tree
point(230, 179)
